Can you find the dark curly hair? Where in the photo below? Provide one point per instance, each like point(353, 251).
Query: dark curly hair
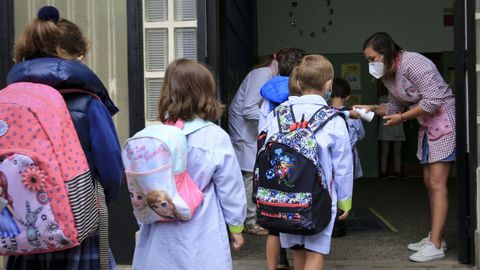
point(287, 59)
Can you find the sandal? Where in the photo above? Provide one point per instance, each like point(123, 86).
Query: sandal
point(255, 229)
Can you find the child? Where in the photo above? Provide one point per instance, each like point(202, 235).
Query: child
point(202, 242)
point(274, 92)
point(314, 77)
point(339, 98)
point(50, 51)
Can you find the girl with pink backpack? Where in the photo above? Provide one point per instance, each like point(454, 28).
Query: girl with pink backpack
point(201, 241)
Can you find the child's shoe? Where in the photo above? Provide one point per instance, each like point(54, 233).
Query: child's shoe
point(421, 243)
point(428, 252)
point(255, 229)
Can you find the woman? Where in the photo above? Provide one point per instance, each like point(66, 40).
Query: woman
point(417, 90)
point(49, 51)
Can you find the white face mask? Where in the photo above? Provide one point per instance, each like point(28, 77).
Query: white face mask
point(376, 69)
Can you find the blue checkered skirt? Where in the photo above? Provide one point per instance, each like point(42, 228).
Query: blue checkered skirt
point(83, 257)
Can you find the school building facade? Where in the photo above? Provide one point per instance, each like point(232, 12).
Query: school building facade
point(132, 42)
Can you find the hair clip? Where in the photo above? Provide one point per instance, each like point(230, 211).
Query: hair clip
point(48, 13)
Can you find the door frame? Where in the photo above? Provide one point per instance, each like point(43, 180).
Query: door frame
point(7, 33)
point(466, 127)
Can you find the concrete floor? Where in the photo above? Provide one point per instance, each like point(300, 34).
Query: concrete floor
point(403, 204)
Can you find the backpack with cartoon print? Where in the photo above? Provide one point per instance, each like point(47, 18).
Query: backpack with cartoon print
point(155, 161)
point(47, 196)
point(289, 185)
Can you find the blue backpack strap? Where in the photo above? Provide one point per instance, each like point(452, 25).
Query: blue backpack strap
point(321, 117)
point(194, 125)
point(285, 118)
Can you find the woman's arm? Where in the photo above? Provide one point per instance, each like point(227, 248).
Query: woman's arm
point(378, 109)
point(396, 119)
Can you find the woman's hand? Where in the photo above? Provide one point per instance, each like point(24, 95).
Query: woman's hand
point(393, 119)
point(236, 241)
point(352, 114)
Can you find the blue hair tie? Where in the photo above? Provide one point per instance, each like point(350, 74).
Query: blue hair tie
point(48, 13)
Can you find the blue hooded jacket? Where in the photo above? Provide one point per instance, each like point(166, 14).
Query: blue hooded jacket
point(275, 91)
point(91, 116)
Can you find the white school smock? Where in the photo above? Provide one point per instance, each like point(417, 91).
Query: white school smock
point(243, 116)
point(336, 160)
point(356, 133)
point(202, 242)
point(262, 117)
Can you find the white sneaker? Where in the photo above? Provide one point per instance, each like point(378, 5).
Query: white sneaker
point(428, 252)
point(421, 243)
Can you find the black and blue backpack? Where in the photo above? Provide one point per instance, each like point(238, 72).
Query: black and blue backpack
point(289, 185)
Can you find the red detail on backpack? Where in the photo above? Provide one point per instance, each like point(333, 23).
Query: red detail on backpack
point(42, 170)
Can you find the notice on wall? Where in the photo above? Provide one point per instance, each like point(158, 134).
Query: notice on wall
point(351, 73)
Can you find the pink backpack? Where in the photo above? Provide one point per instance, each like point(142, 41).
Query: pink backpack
point(47, 197)
point(155, 161)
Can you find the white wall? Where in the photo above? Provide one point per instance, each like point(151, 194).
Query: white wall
point(416, 25)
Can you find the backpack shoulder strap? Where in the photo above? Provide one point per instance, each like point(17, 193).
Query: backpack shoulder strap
point(194, 125)
point(285, 118)
point(66, 92)
point(321, 117)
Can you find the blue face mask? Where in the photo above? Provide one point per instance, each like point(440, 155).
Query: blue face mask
point(327, 95)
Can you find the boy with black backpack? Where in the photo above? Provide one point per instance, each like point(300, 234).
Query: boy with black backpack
point(304, 169)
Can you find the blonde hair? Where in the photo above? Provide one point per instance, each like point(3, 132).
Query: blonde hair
point(313, 72)
point(46, 38)
point(154, 196)
point(188, 91)
point(293, 86)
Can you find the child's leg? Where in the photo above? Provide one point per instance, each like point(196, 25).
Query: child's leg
point(299, 256)
point(272, 251)
point(313, 261)
point(384, 149)
point(283, 260)
point(397, 157)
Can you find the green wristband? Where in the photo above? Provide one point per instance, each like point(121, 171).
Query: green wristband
point(235, 229)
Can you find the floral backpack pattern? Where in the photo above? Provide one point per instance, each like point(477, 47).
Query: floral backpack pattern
point(155, 161)
point(290, 188)
point(47, 197)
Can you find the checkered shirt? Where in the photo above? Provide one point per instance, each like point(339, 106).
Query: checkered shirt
point(418, 83)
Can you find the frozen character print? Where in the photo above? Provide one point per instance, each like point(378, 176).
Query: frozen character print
point(162, 204)
point(8, 227)
point(137, 196)
point(32, 232)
